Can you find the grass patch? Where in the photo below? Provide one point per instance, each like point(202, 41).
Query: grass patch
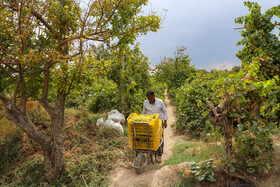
point(10, 152)
point(186, 151)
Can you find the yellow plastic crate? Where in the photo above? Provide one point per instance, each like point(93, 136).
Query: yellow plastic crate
point(142, 129)
point(154, 141)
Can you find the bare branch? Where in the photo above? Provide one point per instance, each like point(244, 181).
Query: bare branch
point(239, 28)
point(244, 178)
point(47, 106)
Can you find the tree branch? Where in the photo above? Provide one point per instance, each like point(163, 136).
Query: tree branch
point(43, 99)
point(7, 73)
point(71, 56)
point(15, 92)
point(246, 178)
point(238, 28)
point(78, 37)
point(7, 63)
point(212, 108)
point(20, 118)
point(36, 67)
point(113, 12)
point(22, 89)
point(11, 67)
point(4, 48)
point(100, 18)
point(40, 17)
point(3, 97)
point(70, 86)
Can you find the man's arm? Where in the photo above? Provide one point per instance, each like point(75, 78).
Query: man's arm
point(165, 116)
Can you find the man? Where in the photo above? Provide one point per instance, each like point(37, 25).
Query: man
point(154, 105)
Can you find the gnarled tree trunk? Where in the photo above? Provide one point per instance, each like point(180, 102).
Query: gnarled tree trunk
point(52, 145)
point(54, 163)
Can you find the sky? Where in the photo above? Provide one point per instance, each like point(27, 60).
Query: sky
point(204, 27)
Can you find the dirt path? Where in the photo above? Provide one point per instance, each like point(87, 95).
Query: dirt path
point(122, 177)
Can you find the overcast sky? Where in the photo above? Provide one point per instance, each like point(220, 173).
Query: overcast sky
point(205, 27)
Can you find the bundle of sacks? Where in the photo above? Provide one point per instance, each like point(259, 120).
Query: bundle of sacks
point(115, 119)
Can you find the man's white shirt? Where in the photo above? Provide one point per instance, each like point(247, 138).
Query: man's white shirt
point(157, 107)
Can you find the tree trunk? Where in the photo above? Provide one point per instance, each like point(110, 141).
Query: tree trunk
point(54, 163)
point(53, 145)
point(20, 118)
point(122, 85)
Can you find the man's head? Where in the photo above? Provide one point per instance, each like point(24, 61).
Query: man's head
point(151, 96)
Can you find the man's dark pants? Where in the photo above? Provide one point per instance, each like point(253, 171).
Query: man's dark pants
point(160, 149)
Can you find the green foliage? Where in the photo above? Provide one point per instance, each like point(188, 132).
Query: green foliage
point(158, 87)
point(99, 96)
point(105, 92)
point(128, 23)
point(174, 71)
point(253, 148)
point(56, 52)
point(260, 42)
point(250, 95)
point(192, 110)
point(130, 71)
point(204, 170)
point(259, 39)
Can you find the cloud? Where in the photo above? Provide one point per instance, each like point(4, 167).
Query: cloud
point(223, 66)
point(205, 27)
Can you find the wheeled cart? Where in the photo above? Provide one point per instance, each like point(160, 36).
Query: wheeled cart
point(145, 138)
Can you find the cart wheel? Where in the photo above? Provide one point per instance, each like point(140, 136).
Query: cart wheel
point(139, 162)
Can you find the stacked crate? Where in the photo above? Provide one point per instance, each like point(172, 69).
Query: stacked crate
point(141, 130)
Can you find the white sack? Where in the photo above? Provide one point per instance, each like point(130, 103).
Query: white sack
point(116, 116)
point(115, 125)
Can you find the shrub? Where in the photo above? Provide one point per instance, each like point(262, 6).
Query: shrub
point(204, 170)
point(192, 110)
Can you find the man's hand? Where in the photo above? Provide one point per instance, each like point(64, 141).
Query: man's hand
point(165, 123)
